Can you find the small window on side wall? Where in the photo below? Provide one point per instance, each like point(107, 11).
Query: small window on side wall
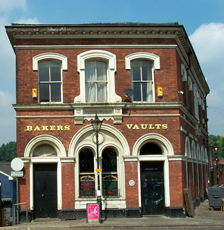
point(141, 79)
point(142, 66)
point(50, 81)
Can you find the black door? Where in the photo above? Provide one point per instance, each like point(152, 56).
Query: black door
point(152, 188)
point(45, 190)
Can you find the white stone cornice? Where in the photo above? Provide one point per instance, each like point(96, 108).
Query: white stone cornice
point(110, 46)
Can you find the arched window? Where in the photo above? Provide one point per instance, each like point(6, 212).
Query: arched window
point(86, 174)
point(44, 150)
point(109, 173)
point(150, 149)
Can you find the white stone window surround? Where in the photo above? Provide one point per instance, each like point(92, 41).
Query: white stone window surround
point(183, 73)
point(61, 154)
point(109, 137)
point(110, 58)
point(51, 56)
point(167, 150)
point(144, 56)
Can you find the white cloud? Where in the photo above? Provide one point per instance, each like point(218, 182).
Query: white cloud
point(9, 5)
point(28, 21)
point(208, 42)
point(6, 99)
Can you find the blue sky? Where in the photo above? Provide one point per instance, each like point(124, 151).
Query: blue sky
point(203, 21)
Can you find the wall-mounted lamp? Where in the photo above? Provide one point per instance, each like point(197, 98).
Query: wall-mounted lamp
point(181, 92)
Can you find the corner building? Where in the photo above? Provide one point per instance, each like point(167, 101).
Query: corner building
point(145, 83)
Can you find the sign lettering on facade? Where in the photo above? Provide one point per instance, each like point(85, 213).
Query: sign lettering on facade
point(48, 128)
point(147, 126)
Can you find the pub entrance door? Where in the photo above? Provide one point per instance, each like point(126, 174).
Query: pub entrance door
point(152, 188)
point(45, 191)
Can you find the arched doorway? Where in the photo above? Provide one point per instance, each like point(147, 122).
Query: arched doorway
point(45, 183)
point(152, 182)
point(44, 153)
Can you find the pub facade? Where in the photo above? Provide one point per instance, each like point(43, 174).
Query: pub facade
point(144, 83)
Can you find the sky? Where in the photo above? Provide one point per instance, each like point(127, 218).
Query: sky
point(203, 21)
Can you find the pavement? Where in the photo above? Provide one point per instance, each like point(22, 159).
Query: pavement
point(204, 217)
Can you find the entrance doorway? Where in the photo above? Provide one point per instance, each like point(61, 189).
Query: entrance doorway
point(152, 188)
point(45, 191)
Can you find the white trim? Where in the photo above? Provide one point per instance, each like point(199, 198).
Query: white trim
point(5, 174)
point(145, 55)
point(45, 138)
point(128, 46)
point(44, 56)
point(61, 152)
point(59, 180)
point(183, 73)
point(73, 146)
point(167, 150)
point(108, 137)
point(156, 138)
point(96, 54)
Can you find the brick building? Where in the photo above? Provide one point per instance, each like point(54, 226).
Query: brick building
point(146, 85)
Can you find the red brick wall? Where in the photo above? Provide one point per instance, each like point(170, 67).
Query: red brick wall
point(168, 77)
point(27, 79)
point(131, 173)
point(24, 189)
point(68, 186)
point(176, 185)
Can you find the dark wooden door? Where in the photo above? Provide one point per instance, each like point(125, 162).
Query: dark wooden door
point(152, 188)
point(45, 190)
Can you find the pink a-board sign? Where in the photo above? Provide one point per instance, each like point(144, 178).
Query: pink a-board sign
point(93, 211)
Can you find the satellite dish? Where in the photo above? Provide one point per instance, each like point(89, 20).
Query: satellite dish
point(17, 164)
point(128, 92)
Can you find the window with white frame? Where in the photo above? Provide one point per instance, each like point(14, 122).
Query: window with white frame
point(50, 81)
point(196, 101)
point(96, 81)
point(97, 77)
point(141, 80)
point(142, 66)
point(50, 67)
point(87, 182)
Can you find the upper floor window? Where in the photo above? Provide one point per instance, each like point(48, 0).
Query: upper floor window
point(141, 79)
point(142, 66)
point(96, 81)
point(49, 73)
point(50, 67)
point(97, 77)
